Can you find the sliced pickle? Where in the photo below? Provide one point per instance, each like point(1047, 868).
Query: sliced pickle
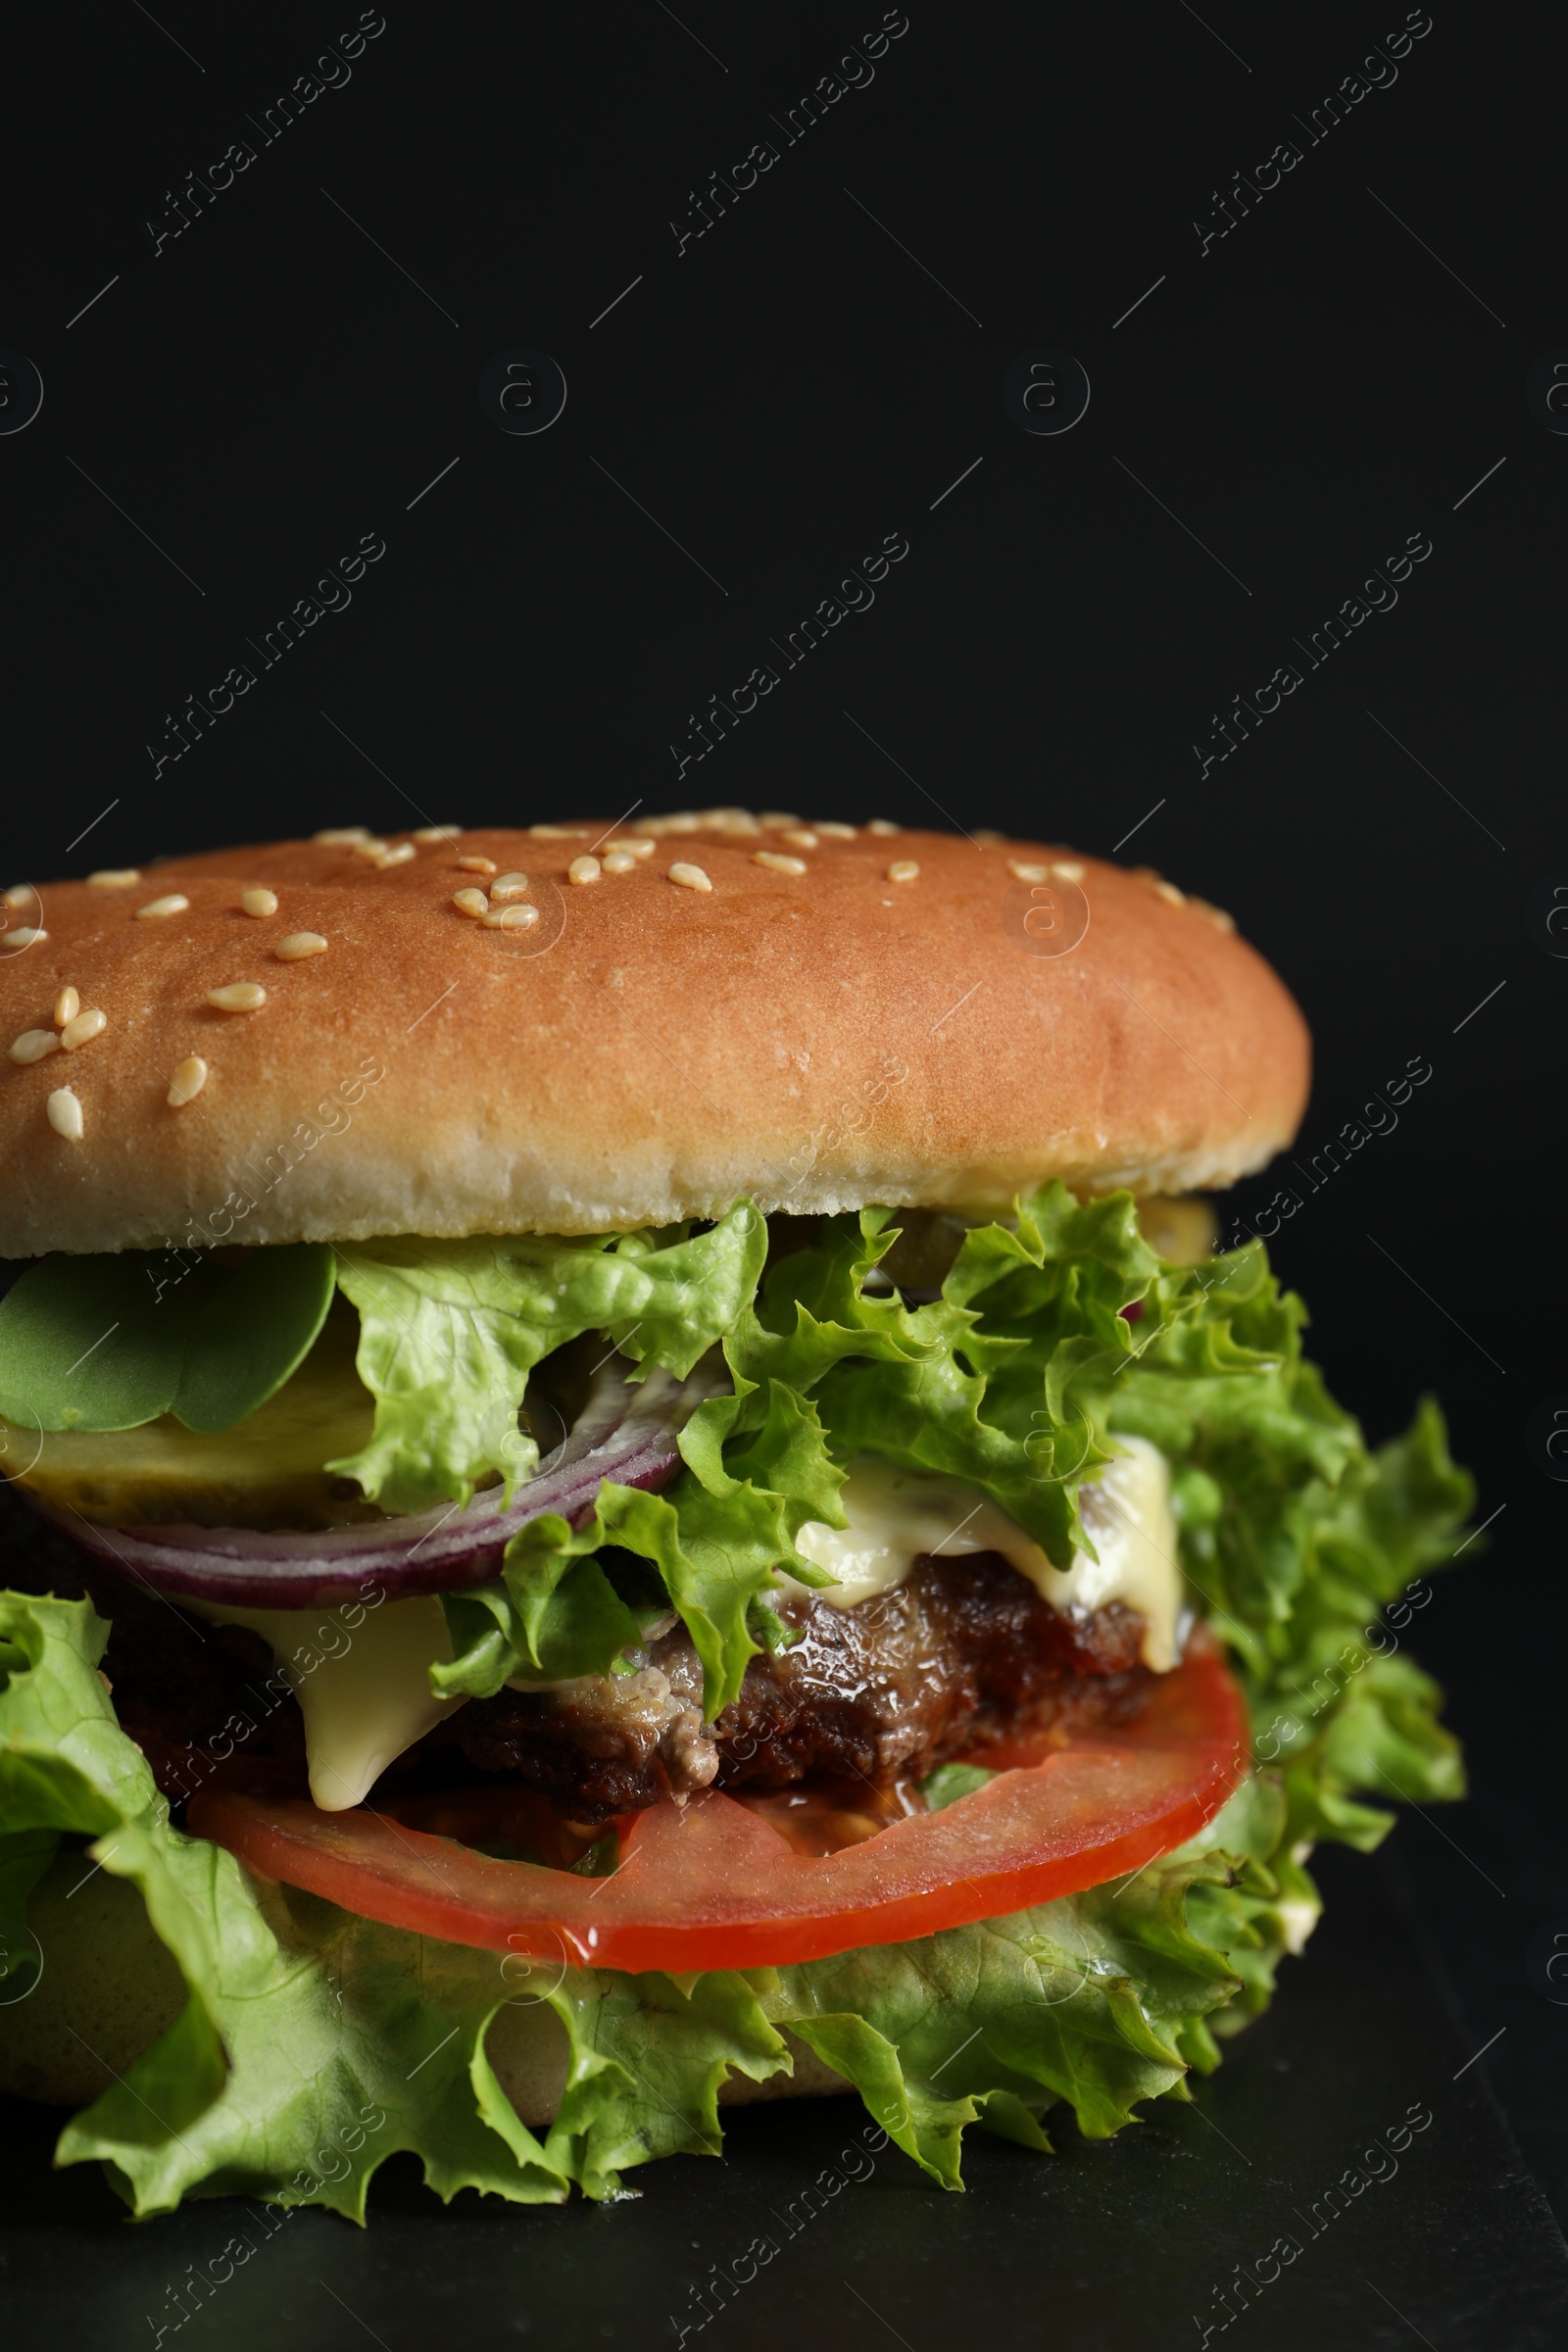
point(1184, 1230)
point(263, 1472)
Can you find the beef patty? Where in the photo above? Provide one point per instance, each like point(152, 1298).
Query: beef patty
point(963, 1655)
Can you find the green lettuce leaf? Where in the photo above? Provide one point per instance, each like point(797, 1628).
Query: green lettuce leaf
point(1308, 1551)
point(559, 1611)
point(313, 2046)
point(983, 1384)
point(1098, 2000)
point(996, 1380)
point(647, 2056)
point(449, 1330)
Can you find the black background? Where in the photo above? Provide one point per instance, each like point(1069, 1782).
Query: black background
point(238, 408)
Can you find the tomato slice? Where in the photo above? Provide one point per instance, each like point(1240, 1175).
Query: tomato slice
point(712, 1885)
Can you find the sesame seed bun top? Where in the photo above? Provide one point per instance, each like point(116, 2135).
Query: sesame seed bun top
point(332, 1038)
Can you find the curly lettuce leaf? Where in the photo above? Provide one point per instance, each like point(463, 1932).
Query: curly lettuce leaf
point(982, 1384)
point(1098, 2000)
point(304, 2056)
point(990, 1382)
point(1306, 1551)
point(647, 2056)
point(449, 1330)
point(559, 1617)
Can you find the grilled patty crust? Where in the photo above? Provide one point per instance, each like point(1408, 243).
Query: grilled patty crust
point(962, 1655)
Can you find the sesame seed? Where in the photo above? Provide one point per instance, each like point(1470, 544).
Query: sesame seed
point(341, 837)
point(298, 945)
point(1170, 894)
point(26, 935)
point(802, 836)
point(81, 1027)
point(239, 995)
point(882, 825)
point(476, 865)
point(186, 1083)
point(904, 869)
point(777, 862)
point(777, 817)
point(690, 877)
point(1216, 915)
point(259, 901)
point(988, 839)
point(633, 847)
point(370, 849)
point(114, 877)
point(175, 902)
point(506, 886)
point(583, 870)
point(559, 832)
point(831, 830)
point(20, 893)
point(67, 1007)
point(470, 901)
point(620, 862)
point(1026, 871)
point(63, 1114)
point(33, 1044)
point(399, 856)
point(1068, 870)
point(731, 820)
point(511, 918)
point(683, 821)
point(437, 832)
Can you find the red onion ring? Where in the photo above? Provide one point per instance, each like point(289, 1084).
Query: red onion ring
point(624, 1433)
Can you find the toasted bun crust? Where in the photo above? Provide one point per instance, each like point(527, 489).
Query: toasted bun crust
point(643, 1052)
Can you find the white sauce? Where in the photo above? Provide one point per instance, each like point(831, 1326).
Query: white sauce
point(897, 1514)
point(363, 1687)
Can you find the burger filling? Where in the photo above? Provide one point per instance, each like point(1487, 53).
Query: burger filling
point(946, 1632)
point(433, 1580)
point(897, 1617)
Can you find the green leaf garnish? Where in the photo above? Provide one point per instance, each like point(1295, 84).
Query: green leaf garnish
point(112, 1342)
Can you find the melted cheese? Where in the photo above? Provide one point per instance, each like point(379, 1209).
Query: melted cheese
point(363, 1687)
point(897, 1514)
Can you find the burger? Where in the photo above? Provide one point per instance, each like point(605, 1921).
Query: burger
point(635, 1482)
